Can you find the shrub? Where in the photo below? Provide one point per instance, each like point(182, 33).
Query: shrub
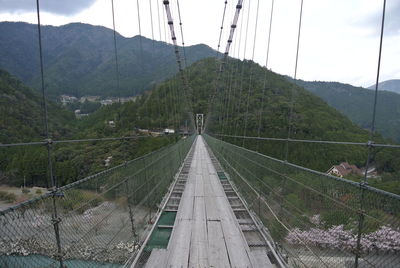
point(25, 190)
point(334, 218)
point(79, 200)
point(8, 197)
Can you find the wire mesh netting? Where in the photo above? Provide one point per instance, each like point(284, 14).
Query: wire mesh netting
point(314, 219)
point(97, 221)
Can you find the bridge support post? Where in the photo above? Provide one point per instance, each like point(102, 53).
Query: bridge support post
point(360, 224)
point(55, 219)
point(130, 209)
point(147, 178)
point(199, 123)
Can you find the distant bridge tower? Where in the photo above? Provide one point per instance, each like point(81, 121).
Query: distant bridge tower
point(199, 122)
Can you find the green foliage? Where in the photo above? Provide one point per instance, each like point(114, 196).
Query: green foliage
point(79, 200)
point(247, 103)
point(22, 113)
point(21, 121)
point(7, 197)
point(356, 103)
point(334, 217)
point(236, 112)
point(293, 200)
point(278, 232)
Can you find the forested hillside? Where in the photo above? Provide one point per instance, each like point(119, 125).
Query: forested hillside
point(21, 112)
point(79, 59)
point(234, 107)
point(312, 118)
point(356, 103)
point(22, 121)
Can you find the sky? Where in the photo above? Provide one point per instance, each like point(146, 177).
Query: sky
point(339, 38)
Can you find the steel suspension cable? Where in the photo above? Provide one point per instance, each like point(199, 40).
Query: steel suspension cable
point(292, 89)
point(224, 95)
point(251, 73)
point(224, 91)
point(166, 34)
point(235, 86)
point(166, 88)
point(157, 95)
point(221, 67)
point(186, 89)
point(55, 219)
point(369, 144)
point(265, 76)
point(183, 40)
point(115, 49)
point(145, 103)
point(371, 136)
point(217, 67)
point(221, 28)
point(243, 64)
point(230, 89)
point(159, 21)
point(183, 47)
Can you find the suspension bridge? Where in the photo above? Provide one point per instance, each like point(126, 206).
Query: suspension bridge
point(205, 201)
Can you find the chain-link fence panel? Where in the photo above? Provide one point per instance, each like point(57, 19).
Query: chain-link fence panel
point(97, 221)
point(314, 219)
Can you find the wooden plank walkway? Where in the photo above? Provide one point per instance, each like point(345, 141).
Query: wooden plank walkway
point(206, 232)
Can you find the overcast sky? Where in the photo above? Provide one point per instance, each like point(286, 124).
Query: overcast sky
point(339, 39)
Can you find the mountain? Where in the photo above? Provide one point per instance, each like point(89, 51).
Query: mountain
point(164, 106)
point(312, 117)
point(21, 111)
point(389, 85)
point(356, 103)
point(79, 59)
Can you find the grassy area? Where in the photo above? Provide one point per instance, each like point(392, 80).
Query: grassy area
point(7, 197)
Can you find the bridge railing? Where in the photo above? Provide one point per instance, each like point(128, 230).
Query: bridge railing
point(102, 218)
point(314, 219)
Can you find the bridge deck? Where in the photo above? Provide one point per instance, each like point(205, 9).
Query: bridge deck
point(206, 232)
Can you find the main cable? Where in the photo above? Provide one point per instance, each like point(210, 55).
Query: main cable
point(222, 27)
point(186, 89)
point(115, 50)
point(183, 40)
point(221, 67)
point(371, 136)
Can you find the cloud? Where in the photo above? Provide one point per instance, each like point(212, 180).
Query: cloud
point(60, 7)
point(392, 21)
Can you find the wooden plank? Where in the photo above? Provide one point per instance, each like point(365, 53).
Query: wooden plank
point(179, 245)
point(206, 232)
point(237, 248)
point(260, 258)
point(157, 258)
point(213, 212)
point(199, 189)
point(217, 252)
point(185, 210)
point(217, 187)
point(198, 244)
point(208, 188)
